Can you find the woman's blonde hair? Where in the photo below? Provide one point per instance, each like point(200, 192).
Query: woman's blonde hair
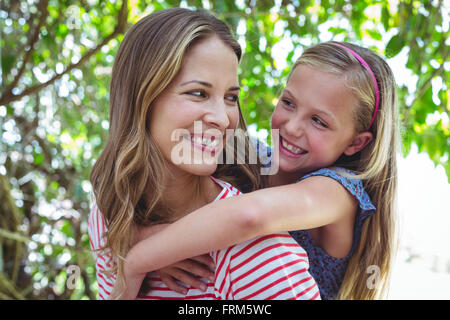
point(128, 176)
point(375, 165)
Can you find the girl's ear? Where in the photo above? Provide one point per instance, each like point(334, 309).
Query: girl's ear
point(358, 143)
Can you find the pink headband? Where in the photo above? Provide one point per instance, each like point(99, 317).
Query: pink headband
point(377, 91)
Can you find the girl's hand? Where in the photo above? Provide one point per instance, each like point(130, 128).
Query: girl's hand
point(127, 286)
point(188, 272)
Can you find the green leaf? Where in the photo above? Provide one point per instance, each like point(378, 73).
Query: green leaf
point(38, 158)
point(374, 34)
point(67, 229)
point(394, 46)
point(62, 30)
point(8, 60)
point(385, 14)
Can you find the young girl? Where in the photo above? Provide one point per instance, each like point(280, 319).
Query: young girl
point(166, 96)
point(336, 184)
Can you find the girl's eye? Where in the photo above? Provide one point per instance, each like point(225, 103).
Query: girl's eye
point(287, 103)
point(319, 122)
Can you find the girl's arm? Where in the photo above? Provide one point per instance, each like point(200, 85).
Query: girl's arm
point(311, 203)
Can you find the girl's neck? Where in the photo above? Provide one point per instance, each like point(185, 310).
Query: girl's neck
point(283, 178)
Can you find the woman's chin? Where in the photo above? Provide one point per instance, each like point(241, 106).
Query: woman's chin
point(201, 169)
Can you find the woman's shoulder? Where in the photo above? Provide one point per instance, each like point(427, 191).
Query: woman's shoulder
point(96, 226)
point(346, 178)
point(227, 188)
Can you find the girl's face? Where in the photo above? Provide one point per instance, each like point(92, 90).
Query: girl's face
point(190, 116)
point(315, 122)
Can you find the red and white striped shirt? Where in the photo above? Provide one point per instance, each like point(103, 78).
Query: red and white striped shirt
point(271, 267)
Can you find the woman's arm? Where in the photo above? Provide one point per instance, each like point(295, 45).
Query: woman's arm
point(311, 203)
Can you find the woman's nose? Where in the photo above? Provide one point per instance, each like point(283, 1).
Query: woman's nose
point(217, 116)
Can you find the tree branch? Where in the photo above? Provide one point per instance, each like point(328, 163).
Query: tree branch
point(9, 286)
point(13, 236)
point(5, 297)
point(31, 42)
point(9, 97)
point(427, 83)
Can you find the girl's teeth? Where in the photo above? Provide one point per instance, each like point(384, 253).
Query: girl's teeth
point(291, 148)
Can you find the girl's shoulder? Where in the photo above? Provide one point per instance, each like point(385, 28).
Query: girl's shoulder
point(353, 185)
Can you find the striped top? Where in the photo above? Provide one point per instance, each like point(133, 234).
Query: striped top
point(271, 267)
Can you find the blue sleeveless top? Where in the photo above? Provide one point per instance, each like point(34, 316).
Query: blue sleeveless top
point(329, 271)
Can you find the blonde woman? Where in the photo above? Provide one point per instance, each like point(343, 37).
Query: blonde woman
point(174, 93)
point(336, 184)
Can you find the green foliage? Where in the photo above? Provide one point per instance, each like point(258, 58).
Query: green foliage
point(56, 61)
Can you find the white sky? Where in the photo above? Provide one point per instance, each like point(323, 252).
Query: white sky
point(424, 221)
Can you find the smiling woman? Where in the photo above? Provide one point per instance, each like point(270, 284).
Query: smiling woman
point(158, 87)
point(175, 75)
point(198, 96)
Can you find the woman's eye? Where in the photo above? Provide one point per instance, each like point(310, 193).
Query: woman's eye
point(197, 93)
point(319, 122)
point(232, 98)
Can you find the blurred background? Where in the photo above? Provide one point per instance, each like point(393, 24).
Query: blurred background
point(56, 62)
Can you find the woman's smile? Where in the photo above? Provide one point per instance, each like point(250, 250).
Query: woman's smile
point(204, 142)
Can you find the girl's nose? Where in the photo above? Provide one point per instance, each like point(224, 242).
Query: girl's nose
point(294, 127)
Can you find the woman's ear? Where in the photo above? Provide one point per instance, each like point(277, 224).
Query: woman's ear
point(358, 143)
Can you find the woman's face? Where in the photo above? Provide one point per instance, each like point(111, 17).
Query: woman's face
point(189, 118)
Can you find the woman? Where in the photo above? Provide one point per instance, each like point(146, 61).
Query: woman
point(169, 113)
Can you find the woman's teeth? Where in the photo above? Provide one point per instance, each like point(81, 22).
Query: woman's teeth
point(291, 148)
point(209, 142)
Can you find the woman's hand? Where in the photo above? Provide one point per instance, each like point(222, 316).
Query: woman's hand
point(188, 272)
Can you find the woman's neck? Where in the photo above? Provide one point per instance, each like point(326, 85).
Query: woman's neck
point(186, 192)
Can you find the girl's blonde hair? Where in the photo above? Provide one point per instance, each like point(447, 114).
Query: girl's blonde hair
point(128, 176)
point(375, 165)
